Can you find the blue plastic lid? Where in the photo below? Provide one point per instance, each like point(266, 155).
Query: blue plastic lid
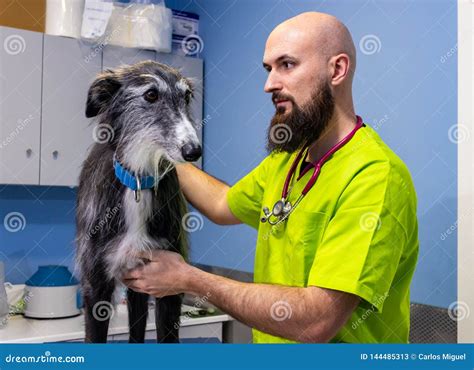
point(52, 275)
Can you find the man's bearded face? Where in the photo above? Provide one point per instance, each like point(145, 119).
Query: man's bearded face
point(301, 126)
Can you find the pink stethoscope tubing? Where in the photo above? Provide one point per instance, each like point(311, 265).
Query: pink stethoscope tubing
point(318, 165)
point(284, 206)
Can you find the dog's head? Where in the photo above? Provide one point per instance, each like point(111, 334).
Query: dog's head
point(147, 106)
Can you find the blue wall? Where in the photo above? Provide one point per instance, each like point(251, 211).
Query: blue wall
point(407, 90)
point(45, 234)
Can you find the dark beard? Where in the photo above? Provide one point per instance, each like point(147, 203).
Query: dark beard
point(302, 126)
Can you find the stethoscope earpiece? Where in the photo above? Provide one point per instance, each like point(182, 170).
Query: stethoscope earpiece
point(267, 213)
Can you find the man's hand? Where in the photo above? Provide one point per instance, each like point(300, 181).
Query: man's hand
point(165, 274)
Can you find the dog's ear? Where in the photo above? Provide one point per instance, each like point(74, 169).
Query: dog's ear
point(192, 82)
point(101, 93)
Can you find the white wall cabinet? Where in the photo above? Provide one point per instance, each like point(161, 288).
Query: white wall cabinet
point(20, 105)
point(44, 79)
point(115, 56)
point(66, 134)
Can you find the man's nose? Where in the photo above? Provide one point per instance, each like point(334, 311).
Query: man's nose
point(273, 83)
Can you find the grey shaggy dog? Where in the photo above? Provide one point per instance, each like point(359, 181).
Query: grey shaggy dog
point(145, 125)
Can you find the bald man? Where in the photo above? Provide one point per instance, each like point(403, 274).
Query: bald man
point(334, 263)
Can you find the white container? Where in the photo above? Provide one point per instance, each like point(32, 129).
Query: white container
point(144, 26)
point(64, 17)
point(51, 293)
point(51, 302)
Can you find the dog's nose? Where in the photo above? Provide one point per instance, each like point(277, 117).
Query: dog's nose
point(191, 152)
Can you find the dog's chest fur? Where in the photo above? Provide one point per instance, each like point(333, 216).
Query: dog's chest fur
point(135, 237)
point(123, 228)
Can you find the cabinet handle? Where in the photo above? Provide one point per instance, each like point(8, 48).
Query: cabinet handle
point(29, 152)
point(55, 154)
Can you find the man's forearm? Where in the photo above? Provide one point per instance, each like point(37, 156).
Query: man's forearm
point(206, 193)
point(287, 312)
point(310, 314)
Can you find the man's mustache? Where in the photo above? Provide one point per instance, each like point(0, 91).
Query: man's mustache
point(279, 96)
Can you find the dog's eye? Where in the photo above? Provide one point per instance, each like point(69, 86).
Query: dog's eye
point(151, 95)
point(188, 96)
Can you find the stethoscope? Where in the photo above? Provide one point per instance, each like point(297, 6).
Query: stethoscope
point(283, 208)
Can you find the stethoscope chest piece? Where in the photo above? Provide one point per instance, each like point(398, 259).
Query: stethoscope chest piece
point(281, 209)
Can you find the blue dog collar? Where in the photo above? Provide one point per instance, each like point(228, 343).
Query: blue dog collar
point(130, 180)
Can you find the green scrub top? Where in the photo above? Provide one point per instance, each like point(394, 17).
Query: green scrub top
point(355, 231)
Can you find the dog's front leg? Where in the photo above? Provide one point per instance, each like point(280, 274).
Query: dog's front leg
point(137, 315)
point(98, 310)
point(167, 313)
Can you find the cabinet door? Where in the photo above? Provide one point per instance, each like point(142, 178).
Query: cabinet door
point(190, 67)
point(20, 105)
point(115, 56)
point(69, 67)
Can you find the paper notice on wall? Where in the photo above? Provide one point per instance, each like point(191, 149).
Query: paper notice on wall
point(95, 18)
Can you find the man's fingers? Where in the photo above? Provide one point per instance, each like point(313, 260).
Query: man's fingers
point(129, 280)
point(134, 284)
point(149, 255)
point(133, 274)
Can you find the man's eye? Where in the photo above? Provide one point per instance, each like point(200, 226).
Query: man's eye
point(151, 96)
point(288, 64)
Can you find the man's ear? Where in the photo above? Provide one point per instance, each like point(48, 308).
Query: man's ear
point(101, 93)
point(340, 68)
